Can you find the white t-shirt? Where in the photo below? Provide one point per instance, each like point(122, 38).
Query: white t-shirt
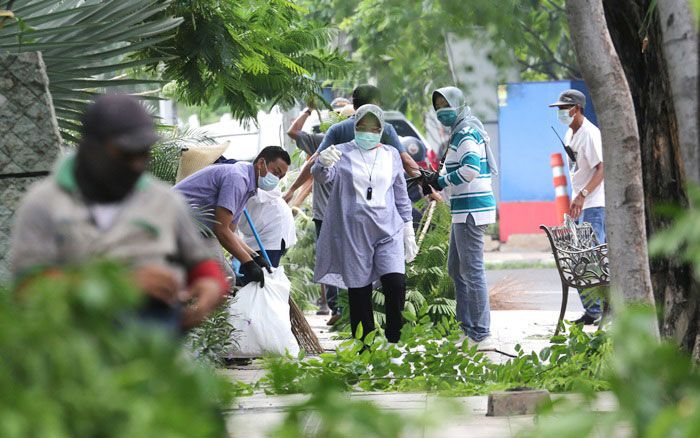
point(273, 221)
point(105, 214)
point(588, 149)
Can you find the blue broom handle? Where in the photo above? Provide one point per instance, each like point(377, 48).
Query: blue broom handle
point(257, 237)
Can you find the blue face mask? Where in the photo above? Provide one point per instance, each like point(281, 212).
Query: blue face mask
point(367, 140)
point(447, 116)
point(269, 181)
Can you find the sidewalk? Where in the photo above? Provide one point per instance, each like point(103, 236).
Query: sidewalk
point(528, 300)
point(259, 415)
point(530, 257)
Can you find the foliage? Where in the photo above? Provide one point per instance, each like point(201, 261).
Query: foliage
point(682, 239)
point(214, 338)
point(333, 118)
point(86, 46)
point(656, 386)
point(245, 54)
point(165, 155)
point(402, 45)
point(430, 358)
point(76, 362)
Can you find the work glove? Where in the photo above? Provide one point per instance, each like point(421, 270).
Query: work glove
point(253, 272)
point(260, 260)
point(430, 180)
point(329, 157)
point(409, 242)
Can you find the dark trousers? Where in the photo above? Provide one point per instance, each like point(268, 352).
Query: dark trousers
point(276, 255)
point(360, 299)
point(331, 291)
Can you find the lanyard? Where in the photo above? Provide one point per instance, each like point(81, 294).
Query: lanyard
point(369, 171)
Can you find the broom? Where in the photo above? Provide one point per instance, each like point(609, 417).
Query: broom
point(304, 334)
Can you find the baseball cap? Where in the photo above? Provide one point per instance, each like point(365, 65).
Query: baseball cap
point(339, 102)
point(571, 97)
point(122, 120)
point(346, 111)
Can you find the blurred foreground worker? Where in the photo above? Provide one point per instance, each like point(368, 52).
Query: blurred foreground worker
point(367, 232)
point(587, 178)
point(466, 177)
point(99, 204)
point(220, 192)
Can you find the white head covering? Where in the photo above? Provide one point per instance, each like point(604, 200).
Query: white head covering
point(370, 109)
point(455, 98)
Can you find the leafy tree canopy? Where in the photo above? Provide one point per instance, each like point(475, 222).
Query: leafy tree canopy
point(245, 54)
point(402, 44)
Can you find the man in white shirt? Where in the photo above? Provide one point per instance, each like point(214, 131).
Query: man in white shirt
point(274, 222)
point(587, 175)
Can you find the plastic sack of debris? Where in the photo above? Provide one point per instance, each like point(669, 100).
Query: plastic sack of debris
point(260, 316)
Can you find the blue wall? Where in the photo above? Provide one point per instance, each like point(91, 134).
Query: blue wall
point(527, 141)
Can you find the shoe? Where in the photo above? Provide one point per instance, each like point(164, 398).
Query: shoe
point(323, 311)
point(587, 319)
point(485, 344)
point(335, 318)
point(460, 341)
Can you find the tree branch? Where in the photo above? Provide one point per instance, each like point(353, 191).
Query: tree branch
point(553, 56)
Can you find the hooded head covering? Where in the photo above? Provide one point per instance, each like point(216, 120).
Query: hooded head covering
point(370, 109)
point(455, 98)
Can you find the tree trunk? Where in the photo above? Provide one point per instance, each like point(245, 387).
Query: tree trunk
point(624, 193)
point(680, 48)
point(676, 292)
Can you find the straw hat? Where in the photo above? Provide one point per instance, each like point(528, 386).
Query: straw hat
point(197, 158)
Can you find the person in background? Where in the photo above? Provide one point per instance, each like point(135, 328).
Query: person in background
point(469, 164)
point(368, 232)
point(274, 222)
point(344, 132)
point(309, 143)
point(224, 190)
point(587, 178)
point(98, 203)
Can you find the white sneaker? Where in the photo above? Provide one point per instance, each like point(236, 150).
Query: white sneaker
point(460, 341)
point(487, 343)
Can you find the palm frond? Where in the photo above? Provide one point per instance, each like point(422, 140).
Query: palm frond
point(86, 46)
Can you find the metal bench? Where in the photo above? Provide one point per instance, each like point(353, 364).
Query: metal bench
point(582, 262)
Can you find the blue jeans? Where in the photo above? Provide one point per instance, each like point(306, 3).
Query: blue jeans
point(596, 217)
point(465, 264)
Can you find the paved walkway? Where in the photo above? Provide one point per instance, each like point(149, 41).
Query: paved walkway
point(530, 302)
point(259, 415)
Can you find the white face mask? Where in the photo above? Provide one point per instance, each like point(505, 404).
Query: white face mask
point(564, 117)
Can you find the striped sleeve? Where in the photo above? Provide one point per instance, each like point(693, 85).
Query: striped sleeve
point(469, 164)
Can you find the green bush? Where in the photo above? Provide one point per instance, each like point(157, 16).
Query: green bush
point(74, 362)
point(657, 388)
point(433, 360)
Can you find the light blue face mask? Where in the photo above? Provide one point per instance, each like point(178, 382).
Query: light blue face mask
point(269, 181)
point(367, 140)
point(447, 116)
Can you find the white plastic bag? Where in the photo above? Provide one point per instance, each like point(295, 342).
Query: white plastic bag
point(260, 316)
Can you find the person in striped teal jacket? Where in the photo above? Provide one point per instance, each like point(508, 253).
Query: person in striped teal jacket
point(466, 180)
